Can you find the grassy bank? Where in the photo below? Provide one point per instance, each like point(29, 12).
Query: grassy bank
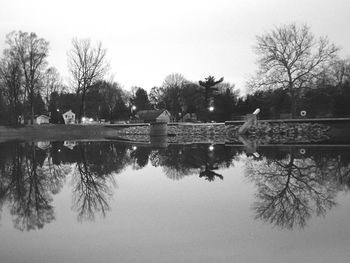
point(55, 132)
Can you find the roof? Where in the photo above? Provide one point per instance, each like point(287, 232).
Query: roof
point(43, 116)
point(150, 114)
point(70, 111)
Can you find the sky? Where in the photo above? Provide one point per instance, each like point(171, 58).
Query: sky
point(148, 40)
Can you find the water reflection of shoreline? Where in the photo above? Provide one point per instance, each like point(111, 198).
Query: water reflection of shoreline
point(292, 184)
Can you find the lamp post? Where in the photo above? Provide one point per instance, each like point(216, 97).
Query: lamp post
point(132, 111)
point(211, 109)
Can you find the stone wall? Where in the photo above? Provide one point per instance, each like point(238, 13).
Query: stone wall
point(265, 132)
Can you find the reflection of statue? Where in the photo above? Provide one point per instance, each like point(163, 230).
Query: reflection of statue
point(179, 161)
point(209, 175)
point(91, 190)
point(290, 191)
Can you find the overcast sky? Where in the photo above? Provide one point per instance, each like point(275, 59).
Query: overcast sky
point(149, 39)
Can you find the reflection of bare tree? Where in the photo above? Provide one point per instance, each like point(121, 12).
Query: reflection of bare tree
point(28, 189)
point(91, 190)
point(290, 190)
point(56, 174)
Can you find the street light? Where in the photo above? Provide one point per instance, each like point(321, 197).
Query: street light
point(133, 108)
point(211, 108)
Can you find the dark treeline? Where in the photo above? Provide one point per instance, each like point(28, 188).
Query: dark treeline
point(325, 100)
point(297, 72)
point(293, 183)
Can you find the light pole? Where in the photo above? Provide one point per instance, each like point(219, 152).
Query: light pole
point(132, 110)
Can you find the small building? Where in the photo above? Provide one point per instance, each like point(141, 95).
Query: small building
point(69, 144)
point(69, 117)
point(44, 145)
point(42, 119)
point(148, 116)
point(189, 117)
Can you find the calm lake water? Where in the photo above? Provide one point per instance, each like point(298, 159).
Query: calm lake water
point(112, 202)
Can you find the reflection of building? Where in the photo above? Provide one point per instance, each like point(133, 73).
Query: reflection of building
point(69, 144)
point(44, 145)
point(153, 116)
point(42, 119)
point(69, 117)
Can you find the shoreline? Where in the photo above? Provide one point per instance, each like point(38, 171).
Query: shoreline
point(338, 131)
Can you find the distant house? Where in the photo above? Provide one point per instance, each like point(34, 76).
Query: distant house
point(42, 119)
point(44, 145)
point(147, 116)
point(189, 117)
point(69, 117)
point(69, 144)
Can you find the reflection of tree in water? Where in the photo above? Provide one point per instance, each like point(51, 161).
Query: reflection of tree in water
point(91, 189)
point(178, 161)
point(140, 155)
point(290, 190)
point(26, 186)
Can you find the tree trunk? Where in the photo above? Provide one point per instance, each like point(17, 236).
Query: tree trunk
point(31, 108)
point(293, 98)
point(82, 107)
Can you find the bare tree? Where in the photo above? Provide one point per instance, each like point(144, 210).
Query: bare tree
point(11, 80)
point(111, 92)
point(291, 58)
point(52, 82)
point(340, 71)
point(156, 96)
point(172, 86)
point(31, 51)
point(87, 64)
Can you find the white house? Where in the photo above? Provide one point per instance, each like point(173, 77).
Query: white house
point(69, 144)
point(42, 119)
point(44, 145)
point(69, 117)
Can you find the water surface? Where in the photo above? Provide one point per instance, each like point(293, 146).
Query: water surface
point(105, 201)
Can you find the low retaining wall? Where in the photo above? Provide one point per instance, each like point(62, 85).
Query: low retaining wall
point(282, 132)
point(276, 132)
